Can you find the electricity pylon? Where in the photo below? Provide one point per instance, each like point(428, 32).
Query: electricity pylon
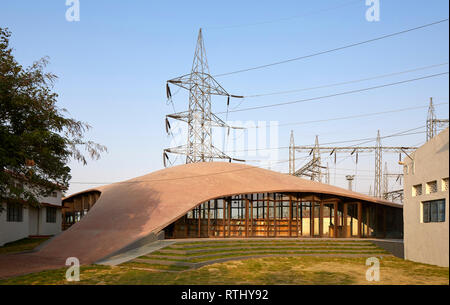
point(378, 168)
point(312, 167)
point(200, 119)
point(432, 122)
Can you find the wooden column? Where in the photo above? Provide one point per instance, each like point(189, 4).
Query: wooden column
point(72, 211)
point(345, 219)
point(199, 221)
point(209, 221)
point(251, 217)
point(82, 198)
point(290, 215)
point(359, 204)
point(301, 216)
point(311, 219)
point(267, 216)
point(321, 219)
point(336, 219)
point(246, 217)
point(367, 231)
point(274, 217)
point(299, 211)
point(224, 203)
point(89, 201)
point(229, 217)
point(76, 202)
point(384, 221)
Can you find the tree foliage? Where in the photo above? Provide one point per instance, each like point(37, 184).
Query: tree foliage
point(37, 139)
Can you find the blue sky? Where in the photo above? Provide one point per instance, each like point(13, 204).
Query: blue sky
point(113, 65)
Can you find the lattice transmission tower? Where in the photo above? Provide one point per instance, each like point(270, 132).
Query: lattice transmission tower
point(199, 117)
point(377, 188)
point(292, 154)
point(313, 168)
point(433, 123)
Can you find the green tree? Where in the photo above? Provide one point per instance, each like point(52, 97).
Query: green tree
point(37, 139)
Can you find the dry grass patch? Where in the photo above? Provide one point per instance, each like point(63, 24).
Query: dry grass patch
point(276, 270)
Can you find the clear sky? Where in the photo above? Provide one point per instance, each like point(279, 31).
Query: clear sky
point(113, 65)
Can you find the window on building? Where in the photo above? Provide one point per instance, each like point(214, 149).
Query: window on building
point(444, 185)
point(417, 190)
point(431, 187)
point(55, 194)
point(433, 211)
point(51, 214)
point(14, 212)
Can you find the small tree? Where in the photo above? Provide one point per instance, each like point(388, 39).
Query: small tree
point(37, 140)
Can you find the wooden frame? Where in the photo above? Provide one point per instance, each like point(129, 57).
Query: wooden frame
point(277, 215)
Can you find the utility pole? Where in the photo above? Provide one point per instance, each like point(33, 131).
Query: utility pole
point(199, 117)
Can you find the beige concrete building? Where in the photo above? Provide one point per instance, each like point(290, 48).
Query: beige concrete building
point(425, 210)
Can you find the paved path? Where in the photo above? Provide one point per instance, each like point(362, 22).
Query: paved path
point(132, 254)
point(23, 263)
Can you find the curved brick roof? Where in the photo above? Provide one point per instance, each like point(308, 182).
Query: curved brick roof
point(130, 210)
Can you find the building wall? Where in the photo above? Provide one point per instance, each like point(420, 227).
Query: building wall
point(427, 242)
point(49, 228)
point(10, 231)
point(34, 221)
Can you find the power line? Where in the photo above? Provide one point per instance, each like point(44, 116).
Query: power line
point(348, 82)
point(352, 116)
point(283, 19)
point(366, 140)
point(402, 133)
point(337, 94)
point(334, 50)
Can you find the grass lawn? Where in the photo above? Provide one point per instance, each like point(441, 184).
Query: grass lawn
point(25, 244)
point(269, 270)
point(178, 264)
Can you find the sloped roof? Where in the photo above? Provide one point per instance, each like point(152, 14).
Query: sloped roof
point(130, 210)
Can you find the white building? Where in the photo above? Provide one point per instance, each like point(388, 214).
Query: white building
point(18, 220)
point(425, 211)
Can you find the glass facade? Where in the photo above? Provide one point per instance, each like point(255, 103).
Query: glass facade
point(282, 215)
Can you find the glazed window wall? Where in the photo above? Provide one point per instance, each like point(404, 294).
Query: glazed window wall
point(278, 215)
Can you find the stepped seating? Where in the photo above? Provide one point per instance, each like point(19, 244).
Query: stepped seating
point(184, 255)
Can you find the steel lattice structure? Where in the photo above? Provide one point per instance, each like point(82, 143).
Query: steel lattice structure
point(377, 188)
point(199, 117)
point(312, 168)
point(433, 123)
